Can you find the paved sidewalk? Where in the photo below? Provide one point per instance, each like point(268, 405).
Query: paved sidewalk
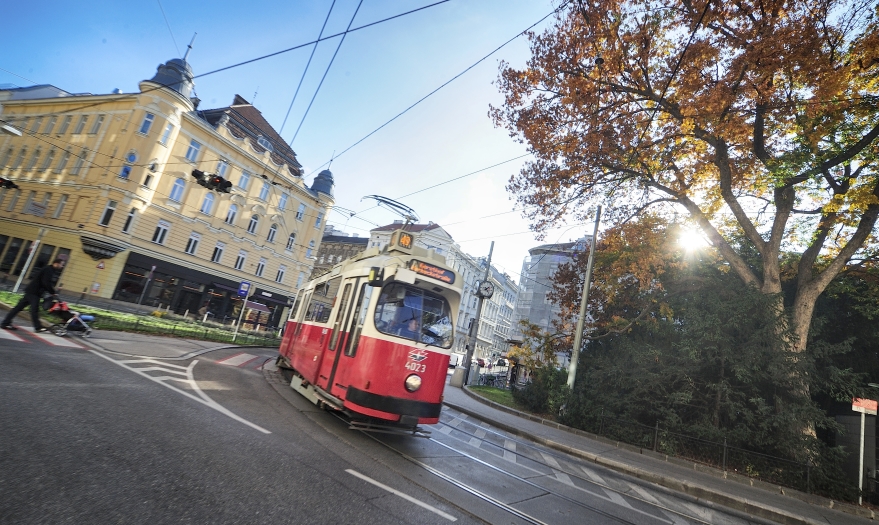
point(704, 484)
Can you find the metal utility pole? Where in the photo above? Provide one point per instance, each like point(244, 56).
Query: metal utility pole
point(30, 257)
point(474, 327)
point(578, 334)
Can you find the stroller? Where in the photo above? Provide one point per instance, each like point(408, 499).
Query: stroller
point(70, 321)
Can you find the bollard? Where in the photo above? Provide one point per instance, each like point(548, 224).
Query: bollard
point(724, 454)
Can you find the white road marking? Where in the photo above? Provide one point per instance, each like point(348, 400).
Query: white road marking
point(54, 340)
point(190, 381)
point(238, 359)
point(510, 450)
point(445, 429)
point(398, 493)
point(614, 496)
point(556, 469)
point(7, 334)
point(646, 496)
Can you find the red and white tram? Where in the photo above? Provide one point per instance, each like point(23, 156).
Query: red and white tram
point(372, 337)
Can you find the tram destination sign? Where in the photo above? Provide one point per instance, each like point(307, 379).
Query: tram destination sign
point(430, 270)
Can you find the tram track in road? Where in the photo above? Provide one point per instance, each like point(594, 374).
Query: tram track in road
point(567, 480)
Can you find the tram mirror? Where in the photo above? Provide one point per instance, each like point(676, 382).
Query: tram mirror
point(375, 276)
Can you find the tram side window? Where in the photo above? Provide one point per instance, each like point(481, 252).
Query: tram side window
point(415, 314)
point(339, 316)
point(360, 312)
point(322, 300)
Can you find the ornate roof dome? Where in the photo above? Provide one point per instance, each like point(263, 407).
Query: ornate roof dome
point(323, 183)
point(175, 74)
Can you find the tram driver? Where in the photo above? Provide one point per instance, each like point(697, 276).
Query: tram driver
point(409, 329)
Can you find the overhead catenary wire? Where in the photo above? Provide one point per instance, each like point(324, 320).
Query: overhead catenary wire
point(316, 91)
point(304, 71)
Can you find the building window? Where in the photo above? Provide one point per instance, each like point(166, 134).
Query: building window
point(192, 152)
point(260, 266)
point(233, 212)
point(244, 180)
point(20, 158)
point(300, 279)
point(300, 213)
point(81, 124)
point(108, 214)
point(291, 241)
point(262, 141)
point(264, 192)
point(65, 124)
point(33, 161)
point(318, 220)
point(309, 250)
point(192, 243)
point(218, 252)
point(97, 125)
point(80, 160)
point(254, 224)
point(177, 190)
point(279, 278)
point(37, 122)
point(273, 230)
point(60, 208)
point(6, 157)
point(15, 195)
point(165, 134)
point(239, 262)
point(62, 163)
point(282, 202)
point(48, 160)
point(125, 172)
point(207, 204)
point(222, 168)
point(146, 124)
point(50, 124)
point(161, 232)
point(128, 220)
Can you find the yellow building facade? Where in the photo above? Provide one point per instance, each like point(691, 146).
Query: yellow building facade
point(107, 182)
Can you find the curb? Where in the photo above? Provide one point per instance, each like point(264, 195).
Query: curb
point(702, 494)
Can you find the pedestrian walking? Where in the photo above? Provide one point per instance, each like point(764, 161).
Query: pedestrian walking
point(43, 282)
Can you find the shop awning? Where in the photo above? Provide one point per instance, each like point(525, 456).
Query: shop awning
point(225, 287)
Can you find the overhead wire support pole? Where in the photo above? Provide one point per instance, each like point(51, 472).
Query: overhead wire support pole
point(578, 334)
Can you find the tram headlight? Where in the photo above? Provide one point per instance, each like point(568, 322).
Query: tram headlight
point(413, 383)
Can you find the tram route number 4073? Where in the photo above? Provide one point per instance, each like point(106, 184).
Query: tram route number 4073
point(416, 367)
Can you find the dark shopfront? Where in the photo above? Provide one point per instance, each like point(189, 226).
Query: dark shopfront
point(181, 290)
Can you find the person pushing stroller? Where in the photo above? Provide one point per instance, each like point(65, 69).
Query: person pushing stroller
point(43, 282)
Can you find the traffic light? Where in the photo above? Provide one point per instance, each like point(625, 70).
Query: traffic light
point(6, 183)
point(200, 177)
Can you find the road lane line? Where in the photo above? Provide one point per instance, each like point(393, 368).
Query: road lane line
point(51, 339)
point(203, 399)
point(398, 493)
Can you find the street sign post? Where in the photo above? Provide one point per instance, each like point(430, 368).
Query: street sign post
point(864, 406)
point(243, 289)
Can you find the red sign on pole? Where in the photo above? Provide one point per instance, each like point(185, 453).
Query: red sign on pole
point(101, 265)
point(867, 406)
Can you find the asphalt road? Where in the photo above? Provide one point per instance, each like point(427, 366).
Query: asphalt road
point(96, 437)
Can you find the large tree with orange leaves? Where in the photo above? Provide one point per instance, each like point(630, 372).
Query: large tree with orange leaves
point(758, 119)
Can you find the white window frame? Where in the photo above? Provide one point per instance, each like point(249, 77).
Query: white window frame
point(273, 231)
point(96, 126)
point(260, 267)
point(192, 243)
point(50, 124)
point(217, 254)
point(60, 208)
point(62, 162)
point(264, 191)
point(146, 124)
point(253, 225)
point(177, 190)
point(318, 220)
point(291, 241)
point(65, 124)
point(83, 119)
point(240, 260)
point(165, 134)
point(244, 180)
point(222, 168)
point(192, 152)
point(161, 232)
point(129, 220)
point(232, 214)
point(107, 216)
point(207, 204)
point(282, 270)
point(300, 213)
point(282, 201)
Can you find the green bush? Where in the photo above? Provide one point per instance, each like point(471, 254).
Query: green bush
point(545, 394)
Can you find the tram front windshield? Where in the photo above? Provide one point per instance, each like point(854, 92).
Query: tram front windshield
point(412, 313)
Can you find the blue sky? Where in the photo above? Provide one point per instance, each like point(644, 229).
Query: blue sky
point(378, 72)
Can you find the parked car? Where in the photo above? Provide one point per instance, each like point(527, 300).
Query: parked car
point(500, 362)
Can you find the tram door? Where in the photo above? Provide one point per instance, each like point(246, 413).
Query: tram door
point(330, 357)
point(342, 334)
